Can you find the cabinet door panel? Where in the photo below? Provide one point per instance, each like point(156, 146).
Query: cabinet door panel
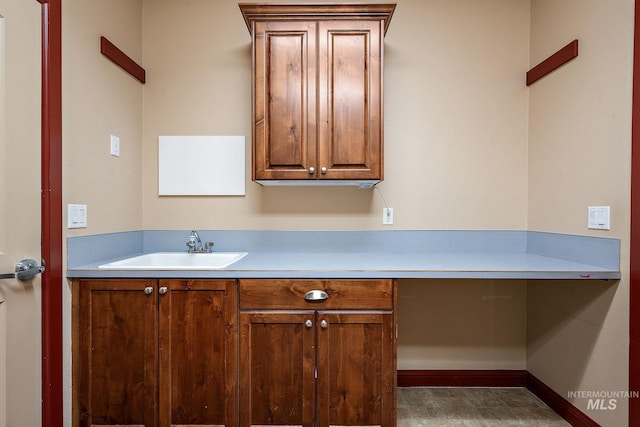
point(284, 107)
point(197, 353)
point(277, 362)
point(350, 79)
point(356, 369)
point(116, 350)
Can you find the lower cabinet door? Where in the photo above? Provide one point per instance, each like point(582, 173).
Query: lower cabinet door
point(115, 353)
point(198, 341)
point(277, 368)
point(356, 369)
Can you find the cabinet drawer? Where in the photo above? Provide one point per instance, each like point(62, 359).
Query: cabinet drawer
point(340, 294)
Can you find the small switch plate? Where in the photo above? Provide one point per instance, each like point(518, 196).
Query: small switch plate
point(76, 216)
point(387, 216)
point(115, 145)
point(599, 218)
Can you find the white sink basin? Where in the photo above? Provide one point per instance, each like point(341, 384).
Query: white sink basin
point(176, 261)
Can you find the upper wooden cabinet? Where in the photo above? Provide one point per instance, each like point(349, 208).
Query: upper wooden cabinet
point(317, 91)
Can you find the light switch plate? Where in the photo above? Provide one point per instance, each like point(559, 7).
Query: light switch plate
point(599, 218)
point(115, 146)
point(76, 216)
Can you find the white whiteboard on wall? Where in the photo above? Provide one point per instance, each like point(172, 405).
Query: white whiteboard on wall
point(201, 165)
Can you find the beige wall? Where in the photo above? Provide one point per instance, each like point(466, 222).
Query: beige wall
point(99, 99)
point(462, 324)
point(455, 119)
point(579, 156)
point(467, 146)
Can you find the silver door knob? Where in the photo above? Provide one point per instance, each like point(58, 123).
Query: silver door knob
point(312, 170)
point(308, 323)
point(148, 290)
point(323, 170)
point(324, 324)
point(25, 270)
point(162, 290)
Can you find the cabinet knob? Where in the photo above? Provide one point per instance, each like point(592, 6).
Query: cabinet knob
point(323, 170)
point(308, 323)
point(148, 290)
point(312, 170)
point(324, 324)
point(162, 290)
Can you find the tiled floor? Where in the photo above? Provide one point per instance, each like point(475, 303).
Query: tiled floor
point(426, 407)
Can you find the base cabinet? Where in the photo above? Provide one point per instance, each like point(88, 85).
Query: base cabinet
point(161, 353)
point(317, 362)
point(154, 353)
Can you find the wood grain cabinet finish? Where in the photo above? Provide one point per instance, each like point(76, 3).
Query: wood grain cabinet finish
point(154, 353)
point(317, 90)
point(323, 363)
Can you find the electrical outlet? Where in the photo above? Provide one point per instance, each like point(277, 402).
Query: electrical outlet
point(387, 216)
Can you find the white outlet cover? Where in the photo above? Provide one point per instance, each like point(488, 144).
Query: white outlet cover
point(387, 216)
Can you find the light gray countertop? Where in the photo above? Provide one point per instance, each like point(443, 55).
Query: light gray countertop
point(362, 254)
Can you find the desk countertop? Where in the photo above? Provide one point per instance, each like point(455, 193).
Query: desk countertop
point(363, 254)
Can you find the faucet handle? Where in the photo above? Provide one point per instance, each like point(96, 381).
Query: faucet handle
point(191, 243)
point(208, 246)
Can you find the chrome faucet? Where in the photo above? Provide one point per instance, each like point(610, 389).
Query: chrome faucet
point(195, 244)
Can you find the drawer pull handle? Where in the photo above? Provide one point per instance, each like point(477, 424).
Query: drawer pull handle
point(316, 295)
point(148, 290)
point(308, 323)
point(324, 324)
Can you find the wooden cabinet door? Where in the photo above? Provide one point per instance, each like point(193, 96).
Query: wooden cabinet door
point(115, 353)
point(356, 369)
point(284, 134)
point(277, 366)
point(350, 99)
point(198, 347)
